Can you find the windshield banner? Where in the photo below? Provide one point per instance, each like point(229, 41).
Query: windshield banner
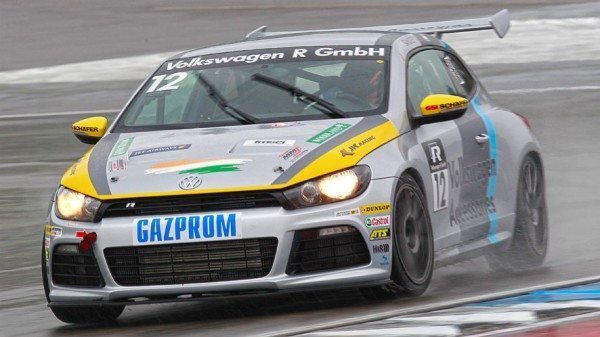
point(318, 53)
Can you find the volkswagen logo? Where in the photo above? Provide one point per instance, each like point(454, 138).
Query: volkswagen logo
point(190, 182)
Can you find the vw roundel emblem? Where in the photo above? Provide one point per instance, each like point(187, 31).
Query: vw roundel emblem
point(190, 182)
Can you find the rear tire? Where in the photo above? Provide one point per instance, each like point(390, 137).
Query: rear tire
point(412, 253)
point(529, 244)
point(82, 315)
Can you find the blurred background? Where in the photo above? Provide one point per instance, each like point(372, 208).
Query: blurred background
point(63, 60)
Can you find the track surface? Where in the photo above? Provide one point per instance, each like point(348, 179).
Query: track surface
point(36, 150)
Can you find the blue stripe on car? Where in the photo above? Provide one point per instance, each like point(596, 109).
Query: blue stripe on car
point(491, 190)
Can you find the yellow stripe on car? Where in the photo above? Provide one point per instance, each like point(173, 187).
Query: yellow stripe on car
point(345, 155)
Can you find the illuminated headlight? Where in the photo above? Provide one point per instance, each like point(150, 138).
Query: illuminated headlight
point(71, 205)
point(334, 187)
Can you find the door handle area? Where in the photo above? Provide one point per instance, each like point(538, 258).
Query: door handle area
point(482, 138)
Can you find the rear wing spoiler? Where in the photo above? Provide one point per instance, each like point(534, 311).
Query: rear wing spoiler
point(499, 22)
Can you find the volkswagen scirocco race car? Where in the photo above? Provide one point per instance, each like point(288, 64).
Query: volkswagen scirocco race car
point(290, 161)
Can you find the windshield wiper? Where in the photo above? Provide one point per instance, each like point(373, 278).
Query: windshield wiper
point(297, 92)
point(224, 105)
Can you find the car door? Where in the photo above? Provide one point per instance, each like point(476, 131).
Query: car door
point(470, 205)
point(439, 142)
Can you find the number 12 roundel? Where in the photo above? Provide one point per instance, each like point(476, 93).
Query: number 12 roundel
point(438, 166)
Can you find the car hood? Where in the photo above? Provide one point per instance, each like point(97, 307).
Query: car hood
point(236, 158)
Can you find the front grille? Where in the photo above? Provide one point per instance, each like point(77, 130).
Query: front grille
point(185, 204)
point(311, 253)
point(191, 262)
point(72, 267)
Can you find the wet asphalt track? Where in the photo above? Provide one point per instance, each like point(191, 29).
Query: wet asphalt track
point(35, 151)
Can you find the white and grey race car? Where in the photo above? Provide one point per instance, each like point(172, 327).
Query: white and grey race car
point(295, 160)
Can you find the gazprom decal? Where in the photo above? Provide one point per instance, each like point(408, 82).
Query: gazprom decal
point(207, 227)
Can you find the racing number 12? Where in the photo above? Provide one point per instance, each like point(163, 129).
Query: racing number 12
point(172, 85)
point(440, 189)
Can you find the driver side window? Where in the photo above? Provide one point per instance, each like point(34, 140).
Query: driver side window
point(427, 75)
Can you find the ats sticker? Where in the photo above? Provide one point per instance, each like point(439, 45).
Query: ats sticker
point(122, 147)
point(375, 208)
point(346, 212)
point(328, 133)
point(380, 234)
point(438, 166)
point(159, 149)
point(269, 142)
point(198, 166)
point(207, 227)
point(377, 221)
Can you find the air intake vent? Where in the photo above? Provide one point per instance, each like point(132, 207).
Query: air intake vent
point(191, 262)
point(328, 248)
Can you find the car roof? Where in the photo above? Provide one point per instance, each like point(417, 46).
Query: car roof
point(348, 38)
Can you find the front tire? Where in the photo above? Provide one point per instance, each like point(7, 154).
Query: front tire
point(530, 239)
point(412, 253)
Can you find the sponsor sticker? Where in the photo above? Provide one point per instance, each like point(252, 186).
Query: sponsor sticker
point(46, 248)
point(117, 165)
point(191, 228)
point(438, 166)
point(350, 150)
point(277, 55)
point(382, 248)
point(293, 154)
point(384, 260)
point(85, 128)
point(375, 208)
point(56, 231)
point(328, 133)
point(377, 221)
point(159, 149)
point(198, 166)
point(380, 234)
point(122, 147)
point(269, 142)
point(48, 230)
point(346, 212)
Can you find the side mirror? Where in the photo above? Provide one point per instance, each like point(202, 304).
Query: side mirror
point(439, 107)
point(90, 130)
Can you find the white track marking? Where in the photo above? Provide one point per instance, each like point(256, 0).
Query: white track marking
point(556, 305)
point(470, 318)
point(543, 90)
point(61, 113)
point(542, 324)
point(443, 330)
point(363, 318)
point(528, 41)
point(19, 269)
point(132, 68)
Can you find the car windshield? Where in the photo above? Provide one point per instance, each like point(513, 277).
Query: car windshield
point(269, 85)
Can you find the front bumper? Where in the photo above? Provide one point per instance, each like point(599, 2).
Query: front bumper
point(256, 223)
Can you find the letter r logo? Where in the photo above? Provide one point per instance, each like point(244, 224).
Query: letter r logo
point(435, 153)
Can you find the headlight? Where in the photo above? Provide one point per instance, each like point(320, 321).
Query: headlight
point(71, 205)
point(334, 187)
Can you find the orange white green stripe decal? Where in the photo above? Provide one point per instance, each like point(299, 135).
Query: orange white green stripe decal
point(197, 166)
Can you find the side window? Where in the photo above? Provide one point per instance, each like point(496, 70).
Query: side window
point(427, 74)
point(460, 74)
